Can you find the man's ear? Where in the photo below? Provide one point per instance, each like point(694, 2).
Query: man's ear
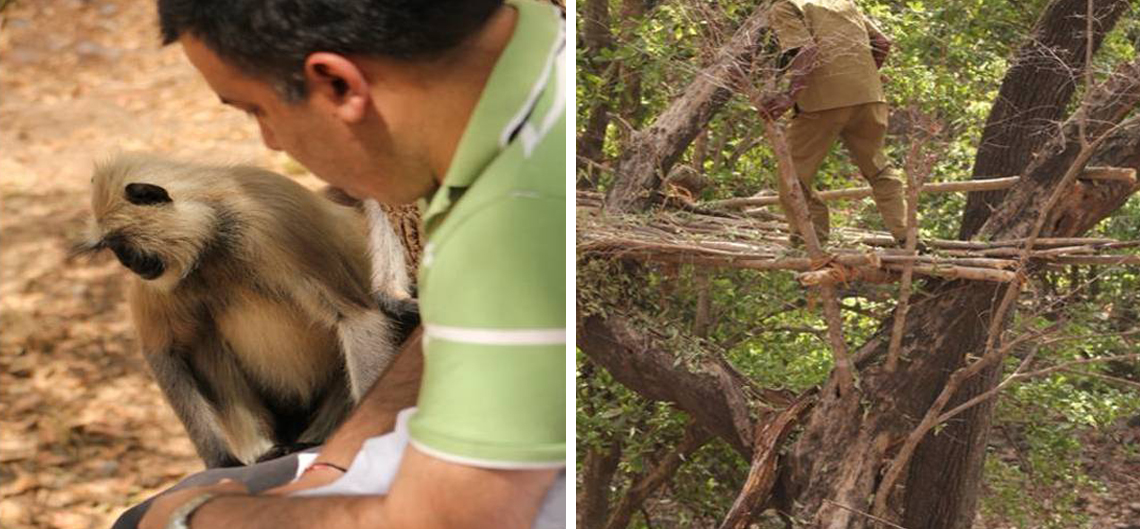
point(340, 82)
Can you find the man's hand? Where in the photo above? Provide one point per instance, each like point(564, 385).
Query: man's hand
point(159, 513)
point(880, 48)
point(774, 106)
point(803, 63)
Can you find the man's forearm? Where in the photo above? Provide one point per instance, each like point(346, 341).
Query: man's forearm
point(275, 512)
point(427, 493)
point(376, 413)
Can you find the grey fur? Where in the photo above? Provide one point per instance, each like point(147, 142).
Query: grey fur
point(261, 327)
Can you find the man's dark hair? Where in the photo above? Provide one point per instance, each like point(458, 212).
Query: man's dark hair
point(272, 38)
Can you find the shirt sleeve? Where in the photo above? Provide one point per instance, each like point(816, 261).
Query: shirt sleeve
point(787, 21)
point(494, 300)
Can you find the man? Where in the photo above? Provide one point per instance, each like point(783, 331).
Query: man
point(460, 102)
point(835, 53)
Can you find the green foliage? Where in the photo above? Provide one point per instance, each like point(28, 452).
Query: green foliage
point(947, 64)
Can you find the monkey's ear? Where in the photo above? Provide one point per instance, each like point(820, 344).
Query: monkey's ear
point(146, 194)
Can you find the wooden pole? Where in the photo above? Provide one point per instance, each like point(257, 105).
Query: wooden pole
point(1091, 173)
point(844, 370)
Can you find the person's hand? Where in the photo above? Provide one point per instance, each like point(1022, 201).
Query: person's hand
point(774, 106)
point(313, 477)
point(158, 515)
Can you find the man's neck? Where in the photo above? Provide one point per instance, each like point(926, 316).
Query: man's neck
point(456, 85)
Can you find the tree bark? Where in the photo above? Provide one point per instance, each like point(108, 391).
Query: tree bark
point(593, 501)
point(596, 36)
point(635, 361)
point(957, 455)
point(1034, 96)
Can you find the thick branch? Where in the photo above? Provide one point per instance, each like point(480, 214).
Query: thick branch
point(1094, 174)
point(639, 364)
point(1023, 119)
point(654, 150)
point(762, 475)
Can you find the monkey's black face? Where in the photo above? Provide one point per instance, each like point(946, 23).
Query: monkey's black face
point(145, 265)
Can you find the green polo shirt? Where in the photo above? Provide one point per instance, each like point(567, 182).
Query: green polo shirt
point(493, 274)
point(845, 73)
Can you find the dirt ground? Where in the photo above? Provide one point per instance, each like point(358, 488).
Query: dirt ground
point(84, 432)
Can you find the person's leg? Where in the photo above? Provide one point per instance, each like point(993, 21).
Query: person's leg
point(258, 477)
point(864, 136)
point(809, 139)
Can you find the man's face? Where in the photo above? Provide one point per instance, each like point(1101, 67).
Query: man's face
point(364, 159)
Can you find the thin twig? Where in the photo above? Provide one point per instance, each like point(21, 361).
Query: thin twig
point(865, 515)
point(1067, 366)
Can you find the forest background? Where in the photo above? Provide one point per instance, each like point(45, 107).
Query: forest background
point(1064, 446)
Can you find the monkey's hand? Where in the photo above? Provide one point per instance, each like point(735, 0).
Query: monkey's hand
point(404, 312)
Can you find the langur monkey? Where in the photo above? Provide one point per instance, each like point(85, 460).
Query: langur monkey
point(257, 302)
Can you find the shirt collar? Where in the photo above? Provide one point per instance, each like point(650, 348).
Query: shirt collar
point(517, 81)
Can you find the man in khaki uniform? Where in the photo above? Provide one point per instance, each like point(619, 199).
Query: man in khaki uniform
point(835, 55)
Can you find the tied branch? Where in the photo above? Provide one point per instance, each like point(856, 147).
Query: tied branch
point(801, 222)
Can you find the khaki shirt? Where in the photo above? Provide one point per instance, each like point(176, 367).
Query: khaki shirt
point(845, 72)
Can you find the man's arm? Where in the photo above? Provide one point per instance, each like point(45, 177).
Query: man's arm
point(880, 43)
point(427, 493)
point(797, 42)
point(375, 415)
point(802, 64)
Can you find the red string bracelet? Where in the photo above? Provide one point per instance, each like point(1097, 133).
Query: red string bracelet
point(320, 464)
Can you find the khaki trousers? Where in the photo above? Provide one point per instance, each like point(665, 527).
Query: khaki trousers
point(862, 128)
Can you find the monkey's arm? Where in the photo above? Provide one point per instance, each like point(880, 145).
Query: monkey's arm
point(376, 413)
point(184, 393)
point(404, 313)
point(368, 341)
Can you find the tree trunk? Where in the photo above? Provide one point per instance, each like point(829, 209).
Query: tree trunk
point(940, 333)
point(593, 501)
point(957, 455)
point(1034, 96)
point(596, 36)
